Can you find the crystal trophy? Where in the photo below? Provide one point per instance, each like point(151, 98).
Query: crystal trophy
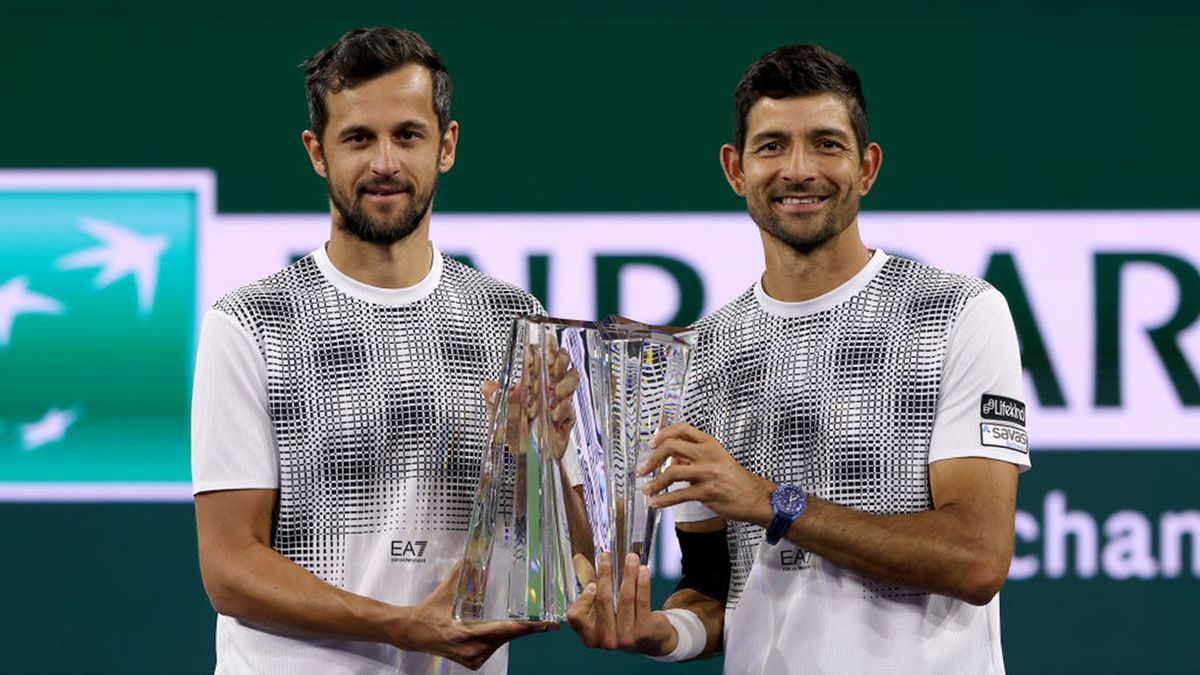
point(559, 477)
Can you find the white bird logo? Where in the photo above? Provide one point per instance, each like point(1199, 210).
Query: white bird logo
point(16, 299)
point(124, 252)
point(52, 427)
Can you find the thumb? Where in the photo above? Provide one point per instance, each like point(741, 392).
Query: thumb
point(444, 593)
point(584, 571)
point(579, 614)
point(489, 389)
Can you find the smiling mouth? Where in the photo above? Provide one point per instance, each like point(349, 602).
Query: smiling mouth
point(800, 203)
point(383, 193)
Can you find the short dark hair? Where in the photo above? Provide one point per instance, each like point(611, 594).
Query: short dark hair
point(799, 70)
point(367, 53)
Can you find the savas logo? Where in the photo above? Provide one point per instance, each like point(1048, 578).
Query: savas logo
point(1004, 436)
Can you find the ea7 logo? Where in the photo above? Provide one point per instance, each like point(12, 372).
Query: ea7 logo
point(795, 559)
point(408, 549)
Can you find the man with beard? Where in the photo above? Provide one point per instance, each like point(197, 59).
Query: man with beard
point(846, 496)
point(337, 418)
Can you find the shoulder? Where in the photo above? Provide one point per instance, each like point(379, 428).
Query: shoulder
point(929, 289)
point(475, 287)
point(727, 325)
point(727, 316)
point(272, 296)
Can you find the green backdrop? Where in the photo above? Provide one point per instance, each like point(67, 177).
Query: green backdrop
point(620, 106)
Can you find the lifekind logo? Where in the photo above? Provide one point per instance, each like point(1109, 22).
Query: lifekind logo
point(97, 298)
point(1002, 409)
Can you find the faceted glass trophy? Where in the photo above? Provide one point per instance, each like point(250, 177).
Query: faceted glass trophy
point(559, 476)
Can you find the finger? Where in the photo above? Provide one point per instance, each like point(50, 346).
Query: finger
point(606, 632)
point(560, 364)
point(582, 615)
point(668, 499)
point(679, 430)
point(643, 594)
point(627, 599)
point(566, 386)
point(499, 632)
point(489, 389)
point(562, 412)
point(676, 473)
point(584, 571)
point(672, 447)
point(444, 592)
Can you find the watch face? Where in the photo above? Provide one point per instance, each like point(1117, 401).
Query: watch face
point(788, 499)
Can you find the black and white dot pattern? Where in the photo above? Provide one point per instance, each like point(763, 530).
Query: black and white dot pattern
point(840, 402)
point(377, 411)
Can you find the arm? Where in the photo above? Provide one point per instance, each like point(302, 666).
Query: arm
point(710, 609)
point(245, 578)
point(961, 548)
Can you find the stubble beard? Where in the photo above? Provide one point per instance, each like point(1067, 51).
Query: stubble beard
point(832, 223)
point(355, 220)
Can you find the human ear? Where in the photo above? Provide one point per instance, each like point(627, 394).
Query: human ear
point(315, 154)
point(449, 147)
point(872, 160)
point(731, 164)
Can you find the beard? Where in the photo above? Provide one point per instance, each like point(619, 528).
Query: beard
point(356, 221)
point(836, 218)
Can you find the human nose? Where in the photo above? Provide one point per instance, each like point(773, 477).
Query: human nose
point(800, 166)
point(386, 160)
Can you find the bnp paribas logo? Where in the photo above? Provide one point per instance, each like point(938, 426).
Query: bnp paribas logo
point(97, 325)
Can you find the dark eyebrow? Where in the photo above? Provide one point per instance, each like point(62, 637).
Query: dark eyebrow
point(829, 131)
point(768, 135)
point(356, 130)
point(359, 129)
point(411, 125)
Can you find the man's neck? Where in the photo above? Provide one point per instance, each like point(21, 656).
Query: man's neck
point(398, 265)
point(793, 276)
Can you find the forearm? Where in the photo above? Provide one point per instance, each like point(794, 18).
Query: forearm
point(942, 550)
point(578, 525)
point(711, 613)
point(258, 585)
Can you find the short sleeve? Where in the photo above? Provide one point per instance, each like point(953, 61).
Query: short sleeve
point(981, 409)
point(233, 438)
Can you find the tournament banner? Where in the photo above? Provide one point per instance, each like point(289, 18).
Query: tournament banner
point(104, 276)
point(98, 279)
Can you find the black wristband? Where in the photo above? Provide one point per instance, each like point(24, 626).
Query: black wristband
point(705, 563)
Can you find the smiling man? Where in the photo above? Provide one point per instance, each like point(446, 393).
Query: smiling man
point(337, 423)
point(844, 504)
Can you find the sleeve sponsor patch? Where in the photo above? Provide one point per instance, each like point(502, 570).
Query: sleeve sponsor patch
point(1002, 408)
point(1004, 436)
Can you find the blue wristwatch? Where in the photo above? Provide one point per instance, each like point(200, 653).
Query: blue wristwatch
point(788, 501)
